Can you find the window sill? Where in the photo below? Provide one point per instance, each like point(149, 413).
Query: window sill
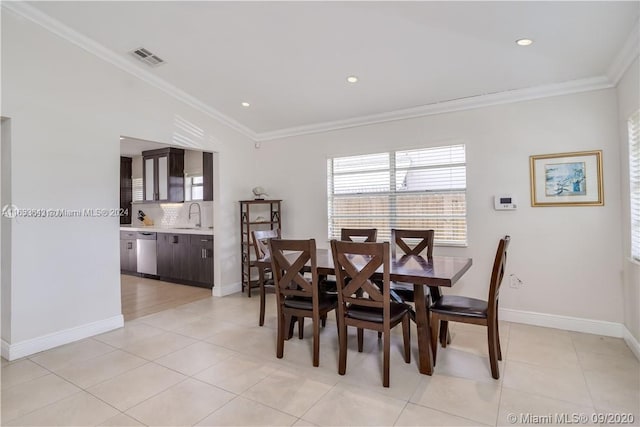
point(633, 261)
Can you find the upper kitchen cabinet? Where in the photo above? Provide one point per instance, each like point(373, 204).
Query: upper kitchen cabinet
point(163, 175)
point(207, 164)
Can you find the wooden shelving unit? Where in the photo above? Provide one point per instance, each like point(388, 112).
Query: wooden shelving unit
point(250, 212)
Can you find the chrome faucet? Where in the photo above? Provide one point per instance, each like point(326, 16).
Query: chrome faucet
point(198, 224)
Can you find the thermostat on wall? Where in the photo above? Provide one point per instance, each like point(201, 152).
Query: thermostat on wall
point(504, 203)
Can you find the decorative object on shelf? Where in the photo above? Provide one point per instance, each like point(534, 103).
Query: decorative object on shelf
point(567, 179)
point(259, 193)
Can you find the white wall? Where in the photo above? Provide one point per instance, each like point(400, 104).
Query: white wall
point(628, 102)
point(68, 110)
point(5, 226)
point(569, 258)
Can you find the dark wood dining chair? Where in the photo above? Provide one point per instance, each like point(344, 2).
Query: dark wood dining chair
point(260, 240)
point(454, 308)
point(358, 234)
point(365, 303)
point(410, 242)
point(297, 295)
point(350, 235)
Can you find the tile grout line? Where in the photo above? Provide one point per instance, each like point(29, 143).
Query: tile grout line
point(505, 360)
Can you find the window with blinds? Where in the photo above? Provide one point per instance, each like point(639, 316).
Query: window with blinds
point(138, 187)
point(634, 183)
point(413, 189)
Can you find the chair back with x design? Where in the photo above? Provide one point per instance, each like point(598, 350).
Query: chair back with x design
point(359, 234)
point(499, 267)
point(260, 241)
point(358, 262)
point(401, 240)
point(411, 243)
point(289, 275)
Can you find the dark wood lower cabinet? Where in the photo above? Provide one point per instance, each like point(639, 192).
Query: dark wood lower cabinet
point(172, 255)
point(185, 258)
point(201, 259)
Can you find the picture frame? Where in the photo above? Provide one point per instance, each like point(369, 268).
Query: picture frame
point(567, 179)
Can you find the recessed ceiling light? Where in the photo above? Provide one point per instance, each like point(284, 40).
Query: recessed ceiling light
point(245, 104)
point(524, 42)
point(352, 79)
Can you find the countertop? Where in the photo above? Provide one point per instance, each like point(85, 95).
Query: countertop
point(177, 230)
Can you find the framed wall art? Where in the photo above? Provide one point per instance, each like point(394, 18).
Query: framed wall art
point(567, 179)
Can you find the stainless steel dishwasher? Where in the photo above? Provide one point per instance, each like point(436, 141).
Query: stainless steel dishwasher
point(146, 245)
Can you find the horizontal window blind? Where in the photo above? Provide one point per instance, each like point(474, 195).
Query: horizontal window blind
point(634, 183)
point(138, 187)
point(413, 189)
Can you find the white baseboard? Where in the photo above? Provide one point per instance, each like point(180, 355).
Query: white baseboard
point(632, 342)
point(34, 345)
point(577, 324)
point(221, 291)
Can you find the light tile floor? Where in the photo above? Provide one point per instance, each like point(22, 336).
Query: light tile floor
point(208, 363)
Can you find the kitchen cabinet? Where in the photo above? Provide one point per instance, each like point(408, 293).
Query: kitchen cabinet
point(128, 252)
point(185, 258)
point(172, 251)
point(126, 189)
point(207, 174)
point(201, 260)
point(163, 175)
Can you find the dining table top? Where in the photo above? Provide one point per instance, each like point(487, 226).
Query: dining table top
point(434, 271)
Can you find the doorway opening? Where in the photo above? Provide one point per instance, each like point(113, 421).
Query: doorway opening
point(166, 240)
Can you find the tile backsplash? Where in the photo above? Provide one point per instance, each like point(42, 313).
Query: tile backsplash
point(173, 214)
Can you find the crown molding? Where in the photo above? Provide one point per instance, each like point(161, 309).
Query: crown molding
point(461, 104)
point(625, 57)
point(35, 15)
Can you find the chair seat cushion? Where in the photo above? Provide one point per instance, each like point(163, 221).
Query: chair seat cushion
point(301, 303)
point(374, 314)
point(403, 290)
point(460, 306)
point(329, 286)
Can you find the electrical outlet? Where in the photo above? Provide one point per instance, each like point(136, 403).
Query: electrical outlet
point(515, 282)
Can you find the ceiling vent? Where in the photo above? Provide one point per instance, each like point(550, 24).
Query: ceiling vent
point(147, 57)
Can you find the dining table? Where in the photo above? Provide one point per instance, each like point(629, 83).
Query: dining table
point(434, 272)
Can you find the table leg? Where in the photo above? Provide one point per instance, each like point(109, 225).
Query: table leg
point(425, 362)
point(445, 336)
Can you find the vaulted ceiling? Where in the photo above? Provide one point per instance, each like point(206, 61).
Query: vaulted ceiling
point(290, 60)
